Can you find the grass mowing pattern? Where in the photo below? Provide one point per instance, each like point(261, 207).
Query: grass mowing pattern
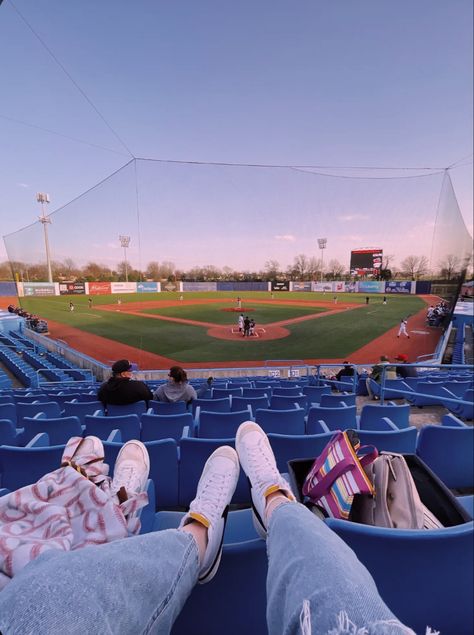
point(327, 337)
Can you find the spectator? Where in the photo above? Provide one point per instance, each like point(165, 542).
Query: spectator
point(405, 371)
point(376, 375)
point(346, 371)
point(121, 389)
point(178, 389)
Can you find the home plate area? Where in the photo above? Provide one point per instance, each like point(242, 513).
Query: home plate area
point(258, 331)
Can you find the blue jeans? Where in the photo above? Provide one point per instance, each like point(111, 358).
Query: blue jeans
point(140, 584)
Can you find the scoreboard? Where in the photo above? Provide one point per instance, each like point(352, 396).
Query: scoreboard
point(366, 261)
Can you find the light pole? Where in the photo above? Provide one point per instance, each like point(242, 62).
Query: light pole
point(322, 243)
point(43, 198)
point(125, 243)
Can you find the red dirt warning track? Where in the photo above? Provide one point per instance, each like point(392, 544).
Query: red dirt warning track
point(423, 339)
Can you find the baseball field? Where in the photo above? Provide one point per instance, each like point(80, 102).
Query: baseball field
point(201, 328)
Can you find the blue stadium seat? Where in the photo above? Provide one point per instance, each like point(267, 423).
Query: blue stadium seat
point(402, 441)
point(241, 403)
point(463, 410)
point(281, 421)
point(419, 586)
point(287, 447)
point(292, 391)
point(137, 408)
point(331, 401)
point(219, 393)
point(448, 451)
point(220, 425)
point(343, 418)
point(8, 411)
point(59, 430)
point(80, 409)
point(50, 408)
point(155, 427)
point(211, 405)
point(257, 392)
point(278, 402)
point(8, 433)
point(314, 392)
point(24, 466)
point(372, 413)
point(129, 426)
point(167, 408)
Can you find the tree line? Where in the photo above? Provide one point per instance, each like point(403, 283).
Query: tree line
point(303, 268)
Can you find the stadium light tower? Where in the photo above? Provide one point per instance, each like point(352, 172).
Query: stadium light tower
point(322, 243)
point(125, 243)
point(43, 198)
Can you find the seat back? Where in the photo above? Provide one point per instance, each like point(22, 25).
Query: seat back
point(163, 468)
point(193, 455)
point(256, 392)
point(335, 418)
point(50, 408)
point(218, 393)
point(24, 466)
point(59, 430)
point(211, 405)
point(155, 427)
point(281, 421)
point(278, 402)
point(402, 441)
point(415, 570)
point(287, 392)
point(241, 403)
point(137, 408)
point(220, 425)
point(314, 392)
point(80, 409)
point(167, 408)
point(129, 426)
point(331, 401)
point(7, 432)
point(458, 388)
point(448, 452)
point(8, 411)
point(372, 413)
point(299, 446)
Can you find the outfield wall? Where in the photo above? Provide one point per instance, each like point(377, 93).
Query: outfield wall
point(27, 289)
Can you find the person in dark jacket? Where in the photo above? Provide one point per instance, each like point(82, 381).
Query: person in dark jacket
point(346, 371)
point(405, 371)
point(121, 389)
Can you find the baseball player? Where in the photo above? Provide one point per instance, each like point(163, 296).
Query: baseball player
point(403, 328)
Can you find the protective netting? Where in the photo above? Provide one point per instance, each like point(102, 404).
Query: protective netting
point(241, 217)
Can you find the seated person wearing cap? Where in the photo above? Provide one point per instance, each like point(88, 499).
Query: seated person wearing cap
point(405, 371)
point(121, 389)
point(346, 371)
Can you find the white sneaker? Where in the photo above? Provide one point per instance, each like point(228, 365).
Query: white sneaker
point(211, 505)
point(131, 470)
point(258, 462)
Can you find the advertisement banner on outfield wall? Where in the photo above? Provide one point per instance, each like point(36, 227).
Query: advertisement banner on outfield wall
point(200, 286)
point(280, 286)
point(39, 288)
point(398, 286)
point(325, 287)
point(301, 286)
point(352, 287)
point(72, 288)
point(8, 289)
point(123, 287)
point(371, 286)
point(233, 285)
point(147, 287)
point(99, 288)
point(339, 287)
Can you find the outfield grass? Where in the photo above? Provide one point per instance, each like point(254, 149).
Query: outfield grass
point(215, 313)
point(331, 336)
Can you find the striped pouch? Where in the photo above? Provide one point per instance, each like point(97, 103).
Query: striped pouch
point(338, 474)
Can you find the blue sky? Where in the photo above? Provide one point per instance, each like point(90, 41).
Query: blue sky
point(367, 83)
